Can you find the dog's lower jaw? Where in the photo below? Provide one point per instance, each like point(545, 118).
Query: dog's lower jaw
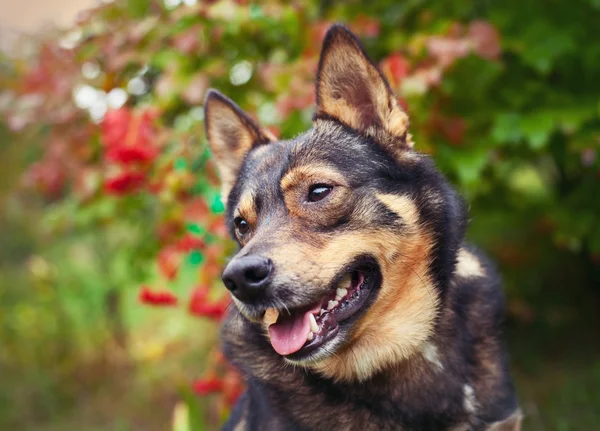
point(395, 328)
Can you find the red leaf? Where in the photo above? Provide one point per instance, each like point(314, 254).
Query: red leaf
point(125, 183)
point(200, 306)
point(447, 50)
point(48, 177)
point(452, 128)
point(485, 39)
point(168, 262)
point(366, 25)
point(207, 386)
point(396, 68)
point(190, 242)
point(218, 227)
point(156, 298)
point(128, 137)
point(196, 210)
point(115, 126)
point(131, 154)
point(169, 230)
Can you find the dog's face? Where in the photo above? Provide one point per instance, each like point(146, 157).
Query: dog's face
point(340, 229)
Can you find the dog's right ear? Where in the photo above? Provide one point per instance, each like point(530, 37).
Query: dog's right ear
point(231, 133)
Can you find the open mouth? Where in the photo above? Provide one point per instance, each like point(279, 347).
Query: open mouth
point(301, 332)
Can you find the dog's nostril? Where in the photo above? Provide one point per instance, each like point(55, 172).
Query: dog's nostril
point(230, 285)
point(255, 275)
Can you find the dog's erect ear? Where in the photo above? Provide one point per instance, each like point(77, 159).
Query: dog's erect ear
point(231, 133)
point(351, 89)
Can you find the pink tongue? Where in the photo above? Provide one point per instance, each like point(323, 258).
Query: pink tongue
point(289, 333)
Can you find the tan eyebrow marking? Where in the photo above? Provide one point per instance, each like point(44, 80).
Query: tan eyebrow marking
point(402, 205)
point(246, 207)
point(313, 172)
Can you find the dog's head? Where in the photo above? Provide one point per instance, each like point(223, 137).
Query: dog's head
point(347, 235)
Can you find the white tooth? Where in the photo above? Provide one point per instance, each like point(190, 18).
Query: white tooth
point(341, 292)
point(271, 316)
point(310, 336)
point(332, 304)
point(313, 323)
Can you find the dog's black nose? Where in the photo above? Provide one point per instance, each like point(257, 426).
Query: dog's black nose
point(246, 277)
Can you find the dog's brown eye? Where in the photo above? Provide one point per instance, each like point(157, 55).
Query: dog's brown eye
point(318, 192)
point(241, 226)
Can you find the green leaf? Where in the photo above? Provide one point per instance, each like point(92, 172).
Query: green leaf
point(195, 411)
point(470, 164)
point(195, 258)
point(544, 43)
point(526, 180)
point(537, 128)
point(507, 128)
point(217, 205)
point(195, 228)
point(180, 164)
point(138, 8)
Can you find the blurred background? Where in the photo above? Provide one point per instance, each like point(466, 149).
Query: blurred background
point(111, 227)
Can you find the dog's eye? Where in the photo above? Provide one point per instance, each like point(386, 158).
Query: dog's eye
point(318, 192)
point(241, 226)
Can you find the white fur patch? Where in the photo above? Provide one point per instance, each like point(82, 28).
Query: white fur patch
point(470, 402)
point(468, 265)
point(430, 352)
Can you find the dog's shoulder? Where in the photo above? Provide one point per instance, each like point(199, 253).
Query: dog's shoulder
point(475, 293)
point(470, 333)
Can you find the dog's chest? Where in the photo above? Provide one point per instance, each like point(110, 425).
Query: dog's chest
point(415, 398)
point(304, 401)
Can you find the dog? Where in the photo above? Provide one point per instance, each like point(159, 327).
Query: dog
point(357, 303)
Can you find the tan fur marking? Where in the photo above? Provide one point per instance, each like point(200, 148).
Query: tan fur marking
point(402, 205)
point(468, 265)
point(512, 423)
point(396, 326)
point(245, 208)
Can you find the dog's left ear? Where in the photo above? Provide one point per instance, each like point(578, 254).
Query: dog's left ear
point(231, 133)
point(352, 90)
